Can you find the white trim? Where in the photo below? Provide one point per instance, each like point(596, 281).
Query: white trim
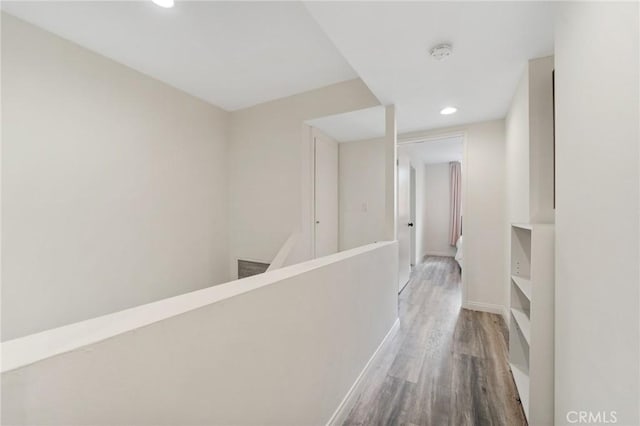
point(463, 201)
point(443, 133)
point(306, 226)
point(488, 307)
point(430, 137)
point(438, 253)
point(314, 172)
point(284, 252)
point(340, 415)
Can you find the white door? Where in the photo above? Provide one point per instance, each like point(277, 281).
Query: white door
point(404, 234)
point(412, 221)
point(325, 194)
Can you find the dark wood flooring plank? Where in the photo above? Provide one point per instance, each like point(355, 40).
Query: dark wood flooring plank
point(470, 405)
point(387, 406)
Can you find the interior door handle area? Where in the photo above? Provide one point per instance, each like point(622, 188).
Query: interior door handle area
point(410, 224)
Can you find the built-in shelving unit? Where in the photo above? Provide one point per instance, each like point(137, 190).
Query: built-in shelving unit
point(531, 323)
point(523, 284)
point(526, 226)
point(521, 378)
point(523, 323)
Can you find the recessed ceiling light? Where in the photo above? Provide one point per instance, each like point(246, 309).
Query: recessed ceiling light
point(441, 51)
point(448, 110)
point(164, 3)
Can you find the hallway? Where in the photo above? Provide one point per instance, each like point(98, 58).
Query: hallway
point(444, 366)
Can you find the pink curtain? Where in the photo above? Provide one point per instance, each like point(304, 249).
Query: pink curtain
point(455, 198)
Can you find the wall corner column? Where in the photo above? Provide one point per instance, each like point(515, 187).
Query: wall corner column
point(390, 145)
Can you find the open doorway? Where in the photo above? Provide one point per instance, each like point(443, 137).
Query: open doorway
point(346, 156)
point(430, 201)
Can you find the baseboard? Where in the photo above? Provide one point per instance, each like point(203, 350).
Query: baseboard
point(488, 307)
point(340, 415)
point(439, 254)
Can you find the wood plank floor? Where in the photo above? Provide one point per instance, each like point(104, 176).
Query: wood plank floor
point(444, 366)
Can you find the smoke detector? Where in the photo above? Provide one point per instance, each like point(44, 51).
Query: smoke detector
point(441, 52)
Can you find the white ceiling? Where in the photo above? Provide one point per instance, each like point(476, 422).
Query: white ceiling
point(351, 126)
point(434, 151)
point(387, 44)
point(231, 54)
point(237, 54)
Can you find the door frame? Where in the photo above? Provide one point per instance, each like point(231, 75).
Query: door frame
point(315, 134)
point(413, 256)
point(434, 136)
point(402, 225)
point(307, 245)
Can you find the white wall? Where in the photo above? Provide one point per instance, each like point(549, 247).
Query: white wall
point(284, 350)
point(114, 185)
point(529, 146)
point(269, 156)
point(437, 207)
point(484, 216)
point(484, 198)
point(597, 210)
point(362, 192)
point(517, 153)
point(541, 148)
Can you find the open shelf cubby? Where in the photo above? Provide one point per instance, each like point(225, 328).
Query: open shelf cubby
point(531, 318)
point(521, 252)
point(522, 284)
